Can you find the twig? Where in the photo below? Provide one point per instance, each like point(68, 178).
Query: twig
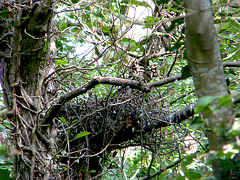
point(171, 67)
point(182, 96)
point(162, 170)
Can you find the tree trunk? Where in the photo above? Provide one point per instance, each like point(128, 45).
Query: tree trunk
point(22, 85)
point(204, 59)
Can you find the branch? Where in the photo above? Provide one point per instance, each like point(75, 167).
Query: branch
point(178, 116)
point(162, 170)
point(125, 134)
point(173, 118)
point(89, 85)
point(165, 81)
point(117, 82)
point(178, 76)
point(231, 64)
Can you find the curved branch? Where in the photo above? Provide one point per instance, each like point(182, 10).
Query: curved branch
point(89, 85)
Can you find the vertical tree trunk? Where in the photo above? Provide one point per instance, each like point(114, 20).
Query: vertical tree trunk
point(204, 59)
point(21, 77)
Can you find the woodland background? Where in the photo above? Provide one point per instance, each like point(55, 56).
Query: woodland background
point(109, 89)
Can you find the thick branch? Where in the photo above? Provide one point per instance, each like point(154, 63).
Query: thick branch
point(177, 117)
point(117, 82)
point(91, 84)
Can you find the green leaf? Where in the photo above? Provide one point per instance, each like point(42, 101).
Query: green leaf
point(82, 134)
point(26, 17)
point(159, 33)
point(106, 29)
point(228, 151)
point(74, 29)
point(203, 104)
point(71, 15)
point(75, 1)
point(139, 3)
point(235, 128)
point(162, 2)
point(63, 26)
point(225, 100)
point(61, 62)
point(63, 120)
point(4, 13)
point(76, 120)
point(120, 54)
point(213, 108)
point(129, 40)
point(193, 174)
point(181, 178)
point(187, 169)
point(92, 171)
point(132, 43)
point(5, 174)
point(196, 122)
point(188, 160)
point(150, 19)
point(235, 24)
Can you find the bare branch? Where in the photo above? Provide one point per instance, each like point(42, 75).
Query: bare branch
point(162, 170)
point(165, 81)
point(231, 64)
point(91, 84)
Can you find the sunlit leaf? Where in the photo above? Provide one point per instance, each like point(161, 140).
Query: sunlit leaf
point(63, 25)
point(225, 100)
point(81, 134)
point(92, 171)
point(106, 29)
point(139, 3)
point(235, 130)
point(150, 19)
point(63, 119)
point(61, 61)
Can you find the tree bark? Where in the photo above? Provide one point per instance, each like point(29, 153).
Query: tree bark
point(204, 59)
point(22, 86)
